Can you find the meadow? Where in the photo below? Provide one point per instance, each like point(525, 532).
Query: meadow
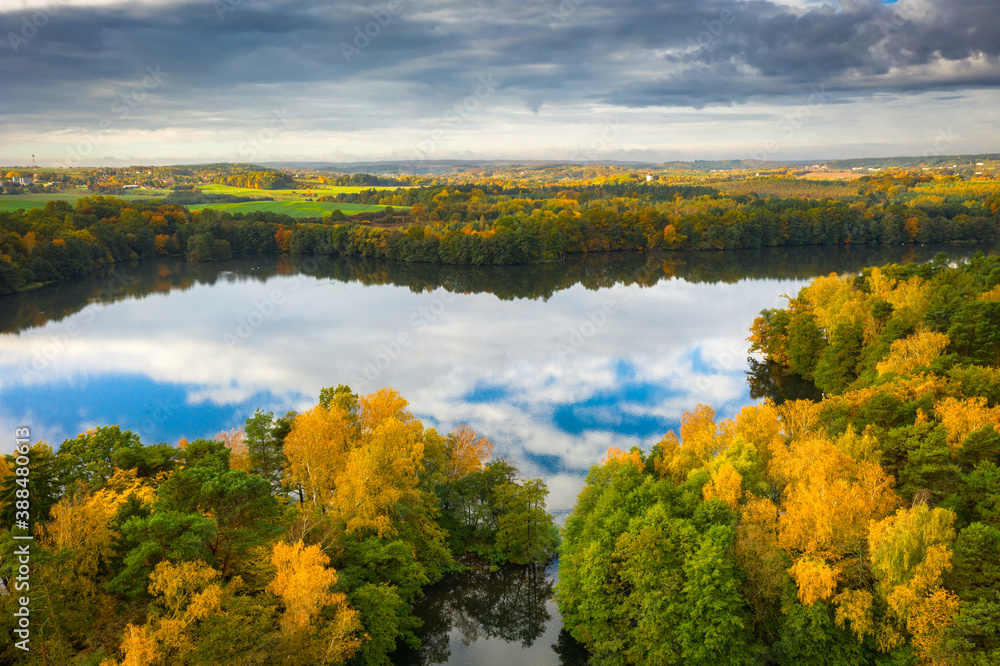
point(12, 202)
point(304, 188)
point(293, 202)
point(294, 208)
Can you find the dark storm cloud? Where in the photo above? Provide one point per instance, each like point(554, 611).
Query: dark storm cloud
point(253, 53)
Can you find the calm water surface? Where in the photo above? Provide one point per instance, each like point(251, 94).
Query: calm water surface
point(554, 363)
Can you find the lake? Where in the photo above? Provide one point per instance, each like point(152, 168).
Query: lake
point(554, 363)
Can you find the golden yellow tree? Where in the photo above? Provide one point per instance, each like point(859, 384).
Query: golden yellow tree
point(913, 351)
point(725, 484)
point(378, 476)
point(828, 502)
point(80, 527)
point(700, 441)
point(833, 302)
point(761, 426)
point(303, 581)
point(963, 417)
point(909, 300)
point(384, 404)
point(316, 449)
point(800, 418)
point(139, 648)
point(617, 456)
point(183, 595)
point(991, 295)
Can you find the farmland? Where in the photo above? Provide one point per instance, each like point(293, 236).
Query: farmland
point(10, 202)
point(305, 188)
point(294, 202)
point(291, 207)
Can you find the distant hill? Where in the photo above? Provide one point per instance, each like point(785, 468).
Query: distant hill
point(444, 167)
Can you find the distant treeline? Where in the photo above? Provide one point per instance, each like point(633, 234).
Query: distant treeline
point(363, 180)
point(467, 225)
point(260, 180)
point(195, 196)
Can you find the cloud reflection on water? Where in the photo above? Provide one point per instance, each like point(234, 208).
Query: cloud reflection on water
point(490, 363)
point(555, 363)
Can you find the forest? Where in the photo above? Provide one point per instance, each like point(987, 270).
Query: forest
point(298, 539)
point(491, 224)
point(858, 528)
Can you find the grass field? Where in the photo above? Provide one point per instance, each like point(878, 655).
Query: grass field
point(296, 193)
point(27, 201)
point(17, 203)
point(293, 208)
point(287, 202)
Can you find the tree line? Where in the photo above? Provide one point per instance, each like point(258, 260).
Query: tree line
point(259, 179)
point(466, 225)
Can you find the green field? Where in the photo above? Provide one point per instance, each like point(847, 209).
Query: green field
point(294, 208)
point(18, 201)
point(288, 203)
point(296, 193)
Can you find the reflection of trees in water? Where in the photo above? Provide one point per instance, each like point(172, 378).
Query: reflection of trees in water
point(506, 604)
point(771, 380)
point(138, 280)
point(571, 652)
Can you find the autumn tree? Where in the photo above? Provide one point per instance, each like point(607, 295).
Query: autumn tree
point(316, 450)
point(303, 582)
point(911, 553)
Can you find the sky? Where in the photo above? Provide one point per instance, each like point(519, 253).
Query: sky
point(118, 82)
